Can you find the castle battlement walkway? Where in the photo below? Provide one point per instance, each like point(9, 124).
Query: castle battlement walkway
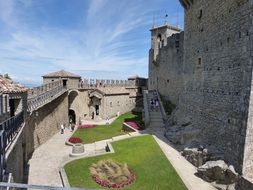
point(43, 94)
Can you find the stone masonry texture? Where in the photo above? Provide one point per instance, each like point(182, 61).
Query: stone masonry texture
point(215, 96)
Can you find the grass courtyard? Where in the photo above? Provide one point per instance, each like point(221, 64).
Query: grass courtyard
point(142, 154)
point(102, 132)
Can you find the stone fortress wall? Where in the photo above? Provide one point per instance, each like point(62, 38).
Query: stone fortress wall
point(214, 107)
point(170, 68)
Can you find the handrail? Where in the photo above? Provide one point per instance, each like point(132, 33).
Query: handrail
point(164, 115)
point(146, 111)
point(2, 155)
point(26, 186)
point(10, 128)
point(46, 96)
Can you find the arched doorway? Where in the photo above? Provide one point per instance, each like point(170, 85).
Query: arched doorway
point(72, 116)
point(72, 95)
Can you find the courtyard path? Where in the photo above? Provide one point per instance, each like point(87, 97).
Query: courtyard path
point(184, 169)
point(44, 164)
point(46, 160)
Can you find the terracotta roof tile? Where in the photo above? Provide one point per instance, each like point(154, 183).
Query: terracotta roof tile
point(61, 73)
point(8, 86)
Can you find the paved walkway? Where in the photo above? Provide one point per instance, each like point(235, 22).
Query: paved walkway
point(184, 169)
point(44, 164)
point(98, 122)
point(46, 160)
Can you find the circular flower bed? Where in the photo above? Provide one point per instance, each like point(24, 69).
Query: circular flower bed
point(108, 173)
point(75, 140)
point(86, 126)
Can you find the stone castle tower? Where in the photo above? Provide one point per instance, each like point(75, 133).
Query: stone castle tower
point(159, 37)
point(214, 106)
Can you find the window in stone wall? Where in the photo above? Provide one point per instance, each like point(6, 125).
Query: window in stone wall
point(228, 40)
point(110, 104)
point(247, 33)
point(199, 61)
point(177, 44)
point(118, 103)
point(200, 14)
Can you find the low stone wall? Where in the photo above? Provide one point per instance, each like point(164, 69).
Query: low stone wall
point(128, 128)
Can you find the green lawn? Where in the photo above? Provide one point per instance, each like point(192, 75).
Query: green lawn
point(102, 132)
point(142, 154)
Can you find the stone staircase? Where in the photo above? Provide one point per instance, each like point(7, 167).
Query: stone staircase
point(155, 115)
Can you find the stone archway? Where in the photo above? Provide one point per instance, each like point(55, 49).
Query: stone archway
point(71, 97)
point(72, 116)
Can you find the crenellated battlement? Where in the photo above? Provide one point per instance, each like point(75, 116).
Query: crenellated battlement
point(93, 83)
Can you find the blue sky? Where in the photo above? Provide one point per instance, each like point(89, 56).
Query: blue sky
point(93, 38)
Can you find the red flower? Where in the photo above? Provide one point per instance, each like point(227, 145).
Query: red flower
point(86, 126)
point(75, 140)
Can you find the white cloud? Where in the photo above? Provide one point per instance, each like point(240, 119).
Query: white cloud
point(102, 43)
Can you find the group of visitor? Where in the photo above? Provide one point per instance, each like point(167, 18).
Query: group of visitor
point(154, 103)
point(71, 126)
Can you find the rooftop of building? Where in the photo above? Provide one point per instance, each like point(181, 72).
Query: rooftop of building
point(8, 86)
point(135, 77)
point(62, 74)
point(166, 26)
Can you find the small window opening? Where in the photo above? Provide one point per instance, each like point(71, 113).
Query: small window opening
point(240, 34)
point(199, 61)
point(200, 14)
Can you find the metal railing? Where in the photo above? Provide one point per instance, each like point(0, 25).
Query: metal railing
point(10, 128)
point(43, 94)
point(8, 131)
point(146, 110)
point(164, 115)
point(2, 155)
point(4, 185)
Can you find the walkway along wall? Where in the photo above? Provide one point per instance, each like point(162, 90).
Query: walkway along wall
point(39, 127)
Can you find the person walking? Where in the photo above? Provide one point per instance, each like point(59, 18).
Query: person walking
point(152, 104)
point(72, 127)
point(62, 129)
point(156, 104)
point(107, 120)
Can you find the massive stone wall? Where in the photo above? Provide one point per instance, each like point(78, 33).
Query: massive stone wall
point(170, 68)
point(45, 121)
point(217, 77)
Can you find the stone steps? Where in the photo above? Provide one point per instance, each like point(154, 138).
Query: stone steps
point(156, 119)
